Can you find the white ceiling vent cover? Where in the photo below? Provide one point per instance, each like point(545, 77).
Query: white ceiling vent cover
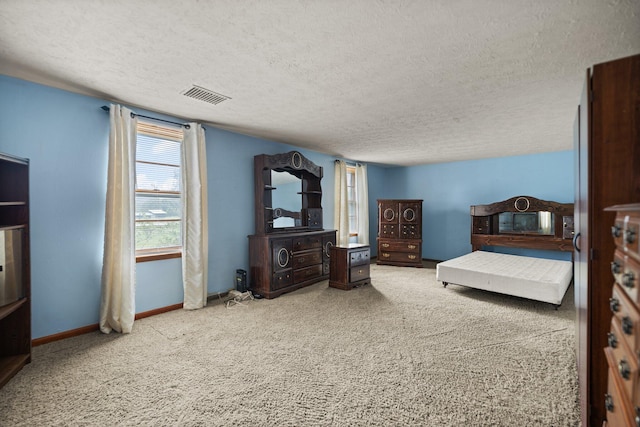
point(206, 95)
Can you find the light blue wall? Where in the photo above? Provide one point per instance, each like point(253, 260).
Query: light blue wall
point(449, 189)
point(65, 136)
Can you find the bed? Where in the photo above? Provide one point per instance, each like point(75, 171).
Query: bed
point(518, 222)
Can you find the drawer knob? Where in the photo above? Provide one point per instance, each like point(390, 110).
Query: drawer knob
point(627, 325)
point(411, 246)
point(614, 304)
point(630, 235)
point(628, 279)
point(608, 402)
point(616, 230)
point(624, 369)
point(385, 245)
point(386, 255)
point(411, 256)
point(612, 340)
point(615, 267)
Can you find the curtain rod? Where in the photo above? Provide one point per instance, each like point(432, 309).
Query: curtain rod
point(349, 162)
point(105, 108)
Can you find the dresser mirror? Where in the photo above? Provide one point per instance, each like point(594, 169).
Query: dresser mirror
point(286, 199)
point(288, 194)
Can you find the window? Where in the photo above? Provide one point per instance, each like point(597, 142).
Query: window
point(352, 201)
point(158, 208)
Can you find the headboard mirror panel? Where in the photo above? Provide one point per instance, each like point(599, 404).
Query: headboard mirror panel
point(523, 222)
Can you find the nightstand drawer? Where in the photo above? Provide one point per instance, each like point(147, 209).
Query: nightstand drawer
point(359, 258)
point(359, 273)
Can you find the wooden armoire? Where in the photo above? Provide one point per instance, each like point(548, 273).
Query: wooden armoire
point(607, 147)
point(400, 232)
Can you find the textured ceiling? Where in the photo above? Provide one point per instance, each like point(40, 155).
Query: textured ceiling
point(393, 82)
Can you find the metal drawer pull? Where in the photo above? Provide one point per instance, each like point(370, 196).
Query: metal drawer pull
point(411, 246)
point(411, 256)
point(385, 245)
point(624, 369)
point(386, 255)
point(608, 402)
point(614, 304)
point(615, 230)
point(627, 325)
point(615, 267)
point(612, 340)
point(628, 279)
point(630, 235)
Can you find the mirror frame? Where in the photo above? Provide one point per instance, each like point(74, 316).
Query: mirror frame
point(310, 215)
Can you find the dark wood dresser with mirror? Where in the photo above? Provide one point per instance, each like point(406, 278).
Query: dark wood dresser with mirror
point(289, 249)
point(400, 232)
point(523, 221)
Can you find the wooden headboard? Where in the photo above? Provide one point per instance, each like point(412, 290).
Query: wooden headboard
point(523, 222)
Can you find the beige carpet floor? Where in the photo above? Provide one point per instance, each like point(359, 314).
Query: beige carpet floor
point(403, 351)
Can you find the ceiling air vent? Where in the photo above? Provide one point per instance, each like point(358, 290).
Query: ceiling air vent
point(205, 95)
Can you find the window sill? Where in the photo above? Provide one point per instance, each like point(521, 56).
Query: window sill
point(156, 256)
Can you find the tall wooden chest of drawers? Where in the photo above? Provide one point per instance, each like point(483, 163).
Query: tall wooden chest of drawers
point(400, 232)
point(622, 400)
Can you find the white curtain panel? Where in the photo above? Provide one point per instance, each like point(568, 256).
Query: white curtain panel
point(117, 303)
point(341, 204)
point(362, 193)
point(195, 241)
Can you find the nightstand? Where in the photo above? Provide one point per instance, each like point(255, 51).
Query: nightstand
point(349, 266)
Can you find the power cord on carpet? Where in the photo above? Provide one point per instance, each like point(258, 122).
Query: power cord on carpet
point(235, 298)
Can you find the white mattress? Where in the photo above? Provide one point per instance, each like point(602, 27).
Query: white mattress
point(534, 278)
